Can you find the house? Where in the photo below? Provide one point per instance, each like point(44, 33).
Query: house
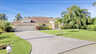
point(33, 23)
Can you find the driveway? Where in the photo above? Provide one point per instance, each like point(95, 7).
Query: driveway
point(50, 44)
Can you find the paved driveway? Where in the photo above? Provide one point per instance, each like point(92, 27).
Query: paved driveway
point(50, 44)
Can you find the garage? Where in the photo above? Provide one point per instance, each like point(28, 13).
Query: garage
point(25, 27)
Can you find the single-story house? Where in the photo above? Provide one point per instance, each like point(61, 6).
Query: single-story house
point(33, 23)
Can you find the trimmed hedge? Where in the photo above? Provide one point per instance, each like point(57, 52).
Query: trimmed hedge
point(66, 27)
point(83, 27)
point(45, 28)
point(91, 27)
point(70, 27)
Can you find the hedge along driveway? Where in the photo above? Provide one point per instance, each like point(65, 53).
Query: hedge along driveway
point(19, 46)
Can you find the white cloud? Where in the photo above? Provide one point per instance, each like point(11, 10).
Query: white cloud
point(92, 10)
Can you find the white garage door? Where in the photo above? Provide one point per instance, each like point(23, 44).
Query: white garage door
point(25, 28)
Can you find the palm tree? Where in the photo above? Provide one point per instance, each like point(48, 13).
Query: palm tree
point(3, 17)
point(18, 17)
point(76, 17)
point(94, 4)
point(63, 13)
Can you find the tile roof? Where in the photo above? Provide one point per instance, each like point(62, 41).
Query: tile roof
point(41, 19)
point(35, 19)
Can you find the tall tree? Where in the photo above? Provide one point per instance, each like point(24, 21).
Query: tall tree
point(76, 16)
point(18, 17)
point(3, 17)
point(63, 13)
point(94, 4)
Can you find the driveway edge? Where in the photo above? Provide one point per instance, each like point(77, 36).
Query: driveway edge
point(76, 48)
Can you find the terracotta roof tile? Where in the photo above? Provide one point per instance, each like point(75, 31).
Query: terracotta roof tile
point(36, 20)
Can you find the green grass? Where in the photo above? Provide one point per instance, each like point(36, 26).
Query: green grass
point(19, 46)
point(82, 34)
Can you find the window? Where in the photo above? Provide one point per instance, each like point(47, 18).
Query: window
point(44, 25)
point(32, 21)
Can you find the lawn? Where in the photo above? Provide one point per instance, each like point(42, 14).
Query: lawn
point(19, 46)
point(79, 34)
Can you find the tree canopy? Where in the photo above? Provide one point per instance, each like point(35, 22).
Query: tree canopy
point(18, 17)
point(76, 17)
point(3, 17)
point(94, 4)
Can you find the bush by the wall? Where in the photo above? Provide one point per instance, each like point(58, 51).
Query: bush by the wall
point(91, 27)
point(9, 29)
point(44, 28)
point(5, 26)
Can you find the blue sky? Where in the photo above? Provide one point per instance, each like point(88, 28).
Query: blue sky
point(50, 8)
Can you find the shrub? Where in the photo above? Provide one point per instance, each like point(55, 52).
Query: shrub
point(66, 27)
point(44, 28)
point(83, 27)
point(5, 26)
point(1, 30)
point(91, 27)
point(9, 29)
point(50, 27)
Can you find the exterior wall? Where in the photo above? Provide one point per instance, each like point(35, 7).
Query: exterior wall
point(25, 27)
point(34, 23)
point(30, 26)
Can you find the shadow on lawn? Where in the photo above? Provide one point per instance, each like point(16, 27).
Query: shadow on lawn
point(3, 37)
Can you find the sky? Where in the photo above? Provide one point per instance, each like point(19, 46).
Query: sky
point(47, 8)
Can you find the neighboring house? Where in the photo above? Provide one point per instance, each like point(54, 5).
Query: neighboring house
point(33, 23)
